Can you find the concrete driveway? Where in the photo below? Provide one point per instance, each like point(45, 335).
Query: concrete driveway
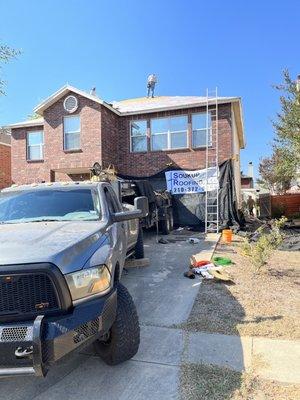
point(164, 298)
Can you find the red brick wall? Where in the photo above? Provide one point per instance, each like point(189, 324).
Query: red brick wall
point(246, 183)
point(110, 133)
point(55, 157)
point(5, 166)
point(149, 163)
point(105, 137)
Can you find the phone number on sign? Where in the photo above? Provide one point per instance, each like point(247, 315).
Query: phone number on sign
point(190, 189)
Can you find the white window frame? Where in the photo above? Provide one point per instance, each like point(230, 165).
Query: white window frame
point(132, 136)
point(169, 133)
point(28, 146)
point(202, 129)
point(70, 132)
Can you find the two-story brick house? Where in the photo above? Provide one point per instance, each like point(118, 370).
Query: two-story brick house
point(140, 137)
point(5, 160)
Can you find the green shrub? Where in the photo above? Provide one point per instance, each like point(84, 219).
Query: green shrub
point(260, 251)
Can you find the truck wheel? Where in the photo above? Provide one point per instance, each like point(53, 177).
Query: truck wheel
point(122, 341)
point(164, 225)
point(139, 247)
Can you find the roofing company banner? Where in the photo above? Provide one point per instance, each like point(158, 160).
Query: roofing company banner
point(182, 182)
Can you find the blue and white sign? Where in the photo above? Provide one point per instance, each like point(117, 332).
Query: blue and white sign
point(182, 182)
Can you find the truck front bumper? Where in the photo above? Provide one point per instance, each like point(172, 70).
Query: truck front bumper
point(31, 347)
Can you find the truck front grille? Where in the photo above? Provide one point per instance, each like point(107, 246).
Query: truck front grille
point(32, 293)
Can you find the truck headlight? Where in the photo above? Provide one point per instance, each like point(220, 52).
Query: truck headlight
point(88, 281)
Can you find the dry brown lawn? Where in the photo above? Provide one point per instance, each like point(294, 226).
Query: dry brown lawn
point(205, 382)
point(258, 304)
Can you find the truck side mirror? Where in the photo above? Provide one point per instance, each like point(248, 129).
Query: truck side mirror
point(141, 210)
point(142, 204)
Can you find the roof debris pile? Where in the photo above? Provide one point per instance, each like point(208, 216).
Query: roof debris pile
point(210, 270)
point(255, 228)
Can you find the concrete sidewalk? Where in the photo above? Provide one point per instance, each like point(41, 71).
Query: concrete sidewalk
point(274, 359)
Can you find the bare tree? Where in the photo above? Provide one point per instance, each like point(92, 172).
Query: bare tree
point(6, 54)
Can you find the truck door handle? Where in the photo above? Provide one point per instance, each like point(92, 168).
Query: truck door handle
point(23, 353)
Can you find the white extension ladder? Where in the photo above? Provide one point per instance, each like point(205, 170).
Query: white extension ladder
point(212, 163)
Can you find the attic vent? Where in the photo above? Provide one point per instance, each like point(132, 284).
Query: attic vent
point(70, 104)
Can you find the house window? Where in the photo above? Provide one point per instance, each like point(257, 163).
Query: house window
point(199, 126)
point(72, 132)
point(138, 133)
point(35, 145)
point(169, 133)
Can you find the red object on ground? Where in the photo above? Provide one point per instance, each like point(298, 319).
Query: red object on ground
point(201, 263)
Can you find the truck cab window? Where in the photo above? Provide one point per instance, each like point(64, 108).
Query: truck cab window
point(110, 202)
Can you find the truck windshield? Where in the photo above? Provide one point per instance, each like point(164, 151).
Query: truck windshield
point(49, 205)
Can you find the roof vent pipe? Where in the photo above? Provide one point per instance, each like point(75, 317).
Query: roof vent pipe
point(93, 91)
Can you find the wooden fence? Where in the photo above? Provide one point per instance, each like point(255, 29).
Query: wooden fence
point(278, 205)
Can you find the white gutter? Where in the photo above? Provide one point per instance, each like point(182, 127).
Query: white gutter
point(26, 124)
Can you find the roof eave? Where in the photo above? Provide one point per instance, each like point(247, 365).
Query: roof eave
point(5, 144)
point(40, 108)
point(25, 124)
point(178, 107)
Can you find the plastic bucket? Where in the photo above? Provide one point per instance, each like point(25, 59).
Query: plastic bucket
point(227, 235)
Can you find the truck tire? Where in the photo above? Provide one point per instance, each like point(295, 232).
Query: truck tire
point(123, 340)
point(139, 247)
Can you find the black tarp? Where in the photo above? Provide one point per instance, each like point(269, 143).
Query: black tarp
point(145, 189)
point(189, 209)
point(228, 206)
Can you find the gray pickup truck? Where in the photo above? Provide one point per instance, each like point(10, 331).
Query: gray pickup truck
point(62, 252)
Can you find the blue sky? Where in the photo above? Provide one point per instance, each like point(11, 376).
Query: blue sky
point(241, 47)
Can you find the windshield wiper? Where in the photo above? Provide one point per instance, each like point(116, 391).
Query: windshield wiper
point(43, 220)
point(28, 221)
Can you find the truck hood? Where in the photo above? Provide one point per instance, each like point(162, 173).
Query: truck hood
point(67, 244)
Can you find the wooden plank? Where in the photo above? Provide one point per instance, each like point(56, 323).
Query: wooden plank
point(206, 253)
point(133, 263)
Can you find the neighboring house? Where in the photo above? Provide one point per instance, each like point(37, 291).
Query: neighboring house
point(247, 182)
point(5, 160)
point(140, 137)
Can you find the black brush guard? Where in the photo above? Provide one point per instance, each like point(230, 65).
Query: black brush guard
point(31, 347)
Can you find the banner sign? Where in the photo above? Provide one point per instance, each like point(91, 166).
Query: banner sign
point(182, 182)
